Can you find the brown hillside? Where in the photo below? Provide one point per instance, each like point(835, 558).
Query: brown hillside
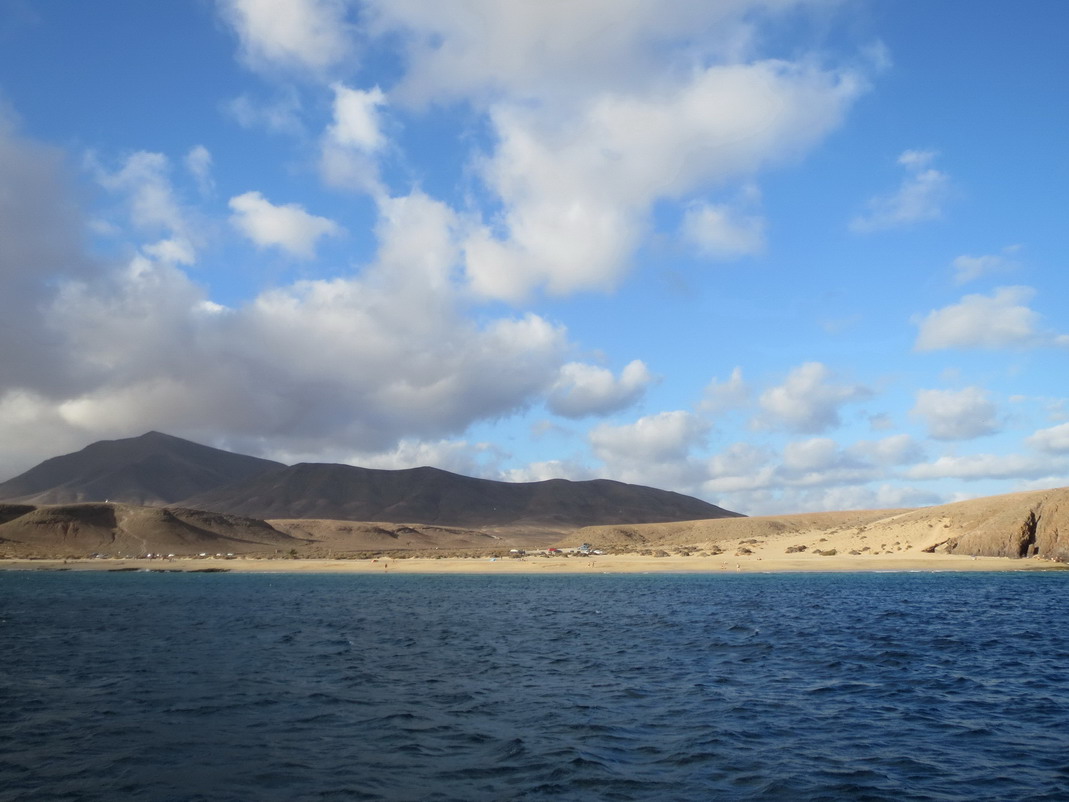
point(1033, 524)
point(121, 529)
point(328, 537)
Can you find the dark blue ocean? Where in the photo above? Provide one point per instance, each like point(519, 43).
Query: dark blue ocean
point(125, 686)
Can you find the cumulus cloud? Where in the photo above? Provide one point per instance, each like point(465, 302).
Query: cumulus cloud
point(591, 123)
point(356, 117)
point(817, 453)
point(1001, 320)
point(919, 198)
point(308, 35)
point(883, 496)
point(287, 227)
point(153, 205)
point(957, 414)
point(653, 450)
point(32, 429)
point(352, 140)
point(740, 459)
point(724, 231)
point(458, 456)
point(484, 49)
point(897, 449)
point(721, 396)
point(968, 268)
point(808, 401)
point(351, 363)
point(40, 245)
point(813, 474)
point(577, 187)
point(653, 438)
point(583, 389)
point(1053, 440)
point(983, 466)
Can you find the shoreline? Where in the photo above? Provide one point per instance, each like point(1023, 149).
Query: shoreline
point(602, 564)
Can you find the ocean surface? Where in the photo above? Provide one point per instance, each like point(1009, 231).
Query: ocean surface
point(126, 686)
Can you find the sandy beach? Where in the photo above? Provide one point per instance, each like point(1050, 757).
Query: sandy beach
point(602, 564)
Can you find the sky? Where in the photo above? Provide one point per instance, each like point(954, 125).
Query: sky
point(781, 255)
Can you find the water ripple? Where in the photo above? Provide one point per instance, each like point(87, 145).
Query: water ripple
point(228, 687)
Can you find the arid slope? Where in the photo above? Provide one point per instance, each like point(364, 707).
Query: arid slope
point(1033, 524)
point(121, 529)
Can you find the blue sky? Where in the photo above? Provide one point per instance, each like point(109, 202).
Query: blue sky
point(785, 255)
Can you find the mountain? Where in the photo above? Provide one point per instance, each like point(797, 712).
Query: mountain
point(432, 496)
point(158, 469)
point(77, 530)
point(154, 468)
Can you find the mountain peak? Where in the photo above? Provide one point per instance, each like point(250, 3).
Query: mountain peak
point(152, 468)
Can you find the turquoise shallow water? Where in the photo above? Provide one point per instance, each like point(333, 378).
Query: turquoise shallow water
point(293, 687)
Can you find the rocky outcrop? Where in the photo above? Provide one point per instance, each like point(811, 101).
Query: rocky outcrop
point(1027, 525)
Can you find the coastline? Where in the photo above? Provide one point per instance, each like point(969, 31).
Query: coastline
point(601, 564)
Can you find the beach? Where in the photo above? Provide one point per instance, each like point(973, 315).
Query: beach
point(597, 564)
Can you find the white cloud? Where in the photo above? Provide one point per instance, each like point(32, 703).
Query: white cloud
point(654, 450)
point(721, 396)
point(957, 414)
point(40, 246)
point(739, 459)
point(881, 497)
point(577, 184)
point(199, 164)
point(819, 462)
point(154, 208)
point(24, 416)
point(816, 474)
point(815, 454)
point(1001, 320)
point(919, 198)
point(807, 401)
point(309, 35)
point(356, 364)
point(549, 469)
point(356, 117)
point(288, 227)
point(457, 456)
point(654, 438)
point(352, 140)
point(484, 49)
point(583, 389)
point(984, 466)
point(1044, 483)
point(725, 231)
point(967, 268)
point(1053, 440)
point(897, 449)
